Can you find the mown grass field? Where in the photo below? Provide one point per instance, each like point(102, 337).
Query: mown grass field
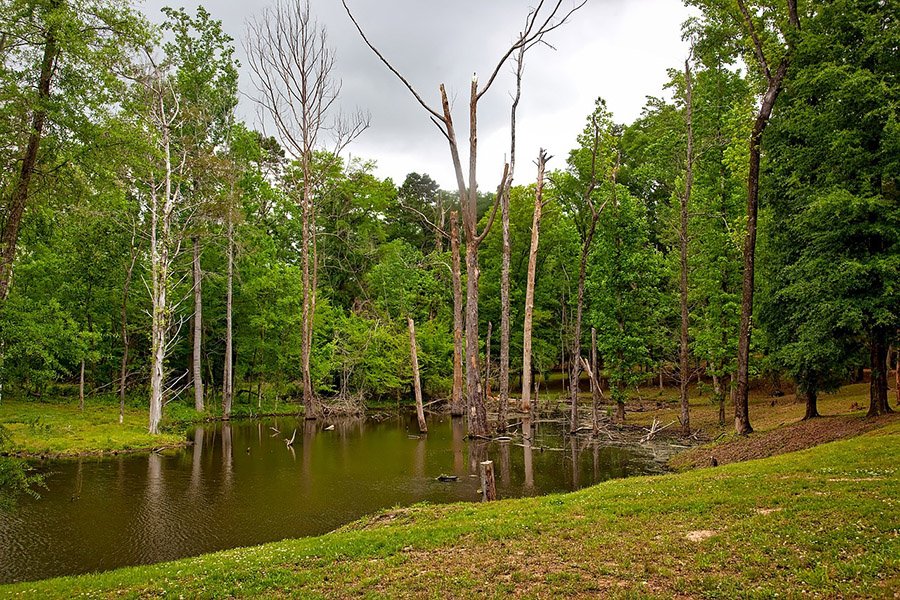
point(820, 523)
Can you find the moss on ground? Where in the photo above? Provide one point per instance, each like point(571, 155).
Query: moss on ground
point(41, 429)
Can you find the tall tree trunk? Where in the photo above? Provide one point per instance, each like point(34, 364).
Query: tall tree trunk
point(684, 354)
point(595, 383)
point(228, 369)
point(81, 388)
point(502, 410)
point(160, 262)
point(198, 329)
point(487, 362)
point(417, 385)
point(456, 405)
point(477, 412)
point(306, 322)
point(575, 373)
point(775, 82)
point(878, 387)
point(897, 375)
point(506, 255)
point(16, 208)
point(529, 289)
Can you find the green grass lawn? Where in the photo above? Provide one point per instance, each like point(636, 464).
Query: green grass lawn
point(823, 522)
point(61, 429)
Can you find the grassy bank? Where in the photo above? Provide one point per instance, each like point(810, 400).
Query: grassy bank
point(59, 429)
point(42, 429)
point(824, 522)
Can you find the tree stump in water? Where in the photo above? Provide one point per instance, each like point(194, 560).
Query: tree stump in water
point(488, 486)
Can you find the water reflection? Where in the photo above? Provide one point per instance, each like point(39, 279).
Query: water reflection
point(240, 484)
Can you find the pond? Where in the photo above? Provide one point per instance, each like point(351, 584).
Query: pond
point(240, 485)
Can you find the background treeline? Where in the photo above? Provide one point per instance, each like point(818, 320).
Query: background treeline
point(151, 240)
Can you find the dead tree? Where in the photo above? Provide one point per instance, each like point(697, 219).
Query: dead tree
point(529, 289)
point(165, 197)
point(417, 384)
point(503, 408)
point(538, 24)
point(587, 199)
point(685, 200)
point(196, 364)
point(456, 407)
point(292, 66)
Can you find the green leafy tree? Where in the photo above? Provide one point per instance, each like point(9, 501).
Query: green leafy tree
point(624, 284)
point(835, 232)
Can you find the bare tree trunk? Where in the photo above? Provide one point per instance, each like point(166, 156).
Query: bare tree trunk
point(477, 412)
point(456, 407)
point(198, 329)
point(897, 374)
point(775, 81)
point(506, 250)
point(487, 362)
point(16, 208)
point(228, 369)
point(306, 323)
point(595, 383)
point(575, 373)
point(417, 385)
point(529, 289)
point(684, 354)
point(160, 241)
point(81, 388)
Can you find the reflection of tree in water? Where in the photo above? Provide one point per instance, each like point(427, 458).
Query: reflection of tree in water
point(419, 458)
point(196, 462)
point(529, 459)
point(478, 453)
point(227, 457)
point(152, 534)
point(504, 464)
point(309, 438)
point(574, 456)
point(458, 431)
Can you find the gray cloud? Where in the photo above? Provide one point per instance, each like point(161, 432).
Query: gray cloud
point(617, 49)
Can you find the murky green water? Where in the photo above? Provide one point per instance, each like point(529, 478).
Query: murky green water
point(241, 485)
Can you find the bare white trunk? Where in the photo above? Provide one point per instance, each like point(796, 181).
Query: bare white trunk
point(417, 385)
point(198, 330)
point(228, 371)
point(529, 289)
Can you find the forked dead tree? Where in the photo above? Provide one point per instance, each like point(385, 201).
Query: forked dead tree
point(292, 68)
point(540, 21)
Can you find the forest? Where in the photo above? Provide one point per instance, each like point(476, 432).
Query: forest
point(164, 255)
point(158, 248)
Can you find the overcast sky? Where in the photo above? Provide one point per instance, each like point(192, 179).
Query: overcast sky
point(615, 49)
